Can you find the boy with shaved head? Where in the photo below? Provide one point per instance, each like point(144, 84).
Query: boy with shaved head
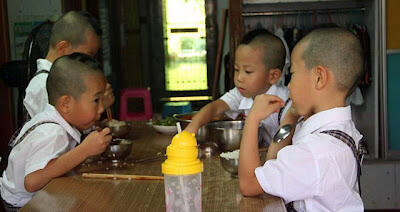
point(72, 32)
point(259, 60)
point(318, 168)
point(46, 147)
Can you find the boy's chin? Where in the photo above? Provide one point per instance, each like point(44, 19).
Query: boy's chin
point(86, 128)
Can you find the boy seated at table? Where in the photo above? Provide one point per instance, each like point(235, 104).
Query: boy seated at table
point(316, 169)
point(46, 147)
point(73, 32)
point(259, 61)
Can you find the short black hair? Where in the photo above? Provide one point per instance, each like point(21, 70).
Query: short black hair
point(337, 49)
point(66, 76)
point(274, 50)
point(72, 27)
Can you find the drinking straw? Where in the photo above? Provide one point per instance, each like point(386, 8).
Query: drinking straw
point(178, 125)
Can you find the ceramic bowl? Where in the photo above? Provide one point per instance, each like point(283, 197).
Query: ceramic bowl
point(169, 130)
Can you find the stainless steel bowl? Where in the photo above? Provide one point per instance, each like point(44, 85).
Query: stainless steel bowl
point(118, 149)
point(227, 134)
point(119, 129)
point(202, 134)
point(230, 165)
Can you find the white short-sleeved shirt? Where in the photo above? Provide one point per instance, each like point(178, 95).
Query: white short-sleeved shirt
point(44, 143)
point(318, 172)
point(240, 104)
point(36, 97)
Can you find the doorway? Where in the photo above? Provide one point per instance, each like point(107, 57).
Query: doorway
point(185, 52)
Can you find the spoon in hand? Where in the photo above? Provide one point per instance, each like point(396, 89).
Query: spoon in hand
point(282, 133)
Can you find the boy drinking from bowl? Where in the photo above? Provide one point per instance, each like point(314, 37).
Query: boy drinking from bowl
point(259, 59)
point(318, 169)
point(46, 144)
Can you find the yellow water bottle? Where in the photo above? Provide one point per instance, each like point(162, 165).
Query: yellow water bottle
point(182, 174)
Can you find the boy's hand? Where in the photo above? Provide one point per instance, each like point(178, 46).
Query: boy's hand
point(108, 97)
point(97, 141)
point(264, 105)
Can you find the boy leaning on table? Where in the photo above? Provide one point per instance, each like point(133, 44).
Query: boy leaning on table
point(45, 147)
point(316, 170)
point(259, 60)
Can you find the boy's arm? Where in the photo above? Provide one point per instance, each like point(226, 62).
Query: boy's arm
point(94, 144)
point(206, 114)
point(249, 158)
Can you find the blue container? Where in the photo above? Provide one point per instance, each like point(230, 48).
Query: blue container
point(171, 108)
point(393, 87)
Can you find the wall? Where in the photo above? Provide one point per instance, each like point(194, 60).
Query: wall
point(393, 24)
point(24, 15)
point(221, 5)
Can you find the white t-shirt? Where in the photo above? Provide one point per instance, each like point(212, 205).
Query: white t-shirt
point(36, 97)
point(44, 143)
point(318, 172)
point(240, 104)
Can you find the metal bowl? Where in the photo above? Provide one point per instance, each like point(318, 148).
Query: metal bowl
point(184, 119)
point(203, 134)
point(208, 149)
point(118, 149)
point(119, 129)
point(230, 165)
point(227, 134)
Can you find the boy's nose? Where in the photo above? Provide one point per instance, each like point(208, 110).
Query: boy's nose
point(240, 77)
point(101, 108)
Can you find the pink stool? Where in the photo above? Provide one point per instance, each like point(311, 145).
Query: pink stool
point(132, 93)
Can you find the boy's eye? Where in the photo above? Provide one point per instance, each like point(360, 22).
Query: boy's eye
point(248, 72)
point(97, 100)
point(236, 70)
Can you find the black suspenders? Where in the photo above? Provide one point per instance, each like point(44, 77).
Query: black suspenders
point(41, 71)
point(358, 154)
point(27, 132)
point(349, 141)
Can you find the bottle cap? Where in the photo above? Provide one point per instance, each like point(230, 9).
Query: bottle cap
point(182, 156)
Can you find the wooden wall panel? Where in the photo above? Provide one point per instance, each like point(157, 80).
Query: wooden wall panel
point(392, 24)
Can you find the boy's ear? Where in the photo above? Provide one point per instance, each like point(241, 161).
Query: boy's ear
point(321, 77)
point(64, 104)
point(63, 47)
point(274, 75)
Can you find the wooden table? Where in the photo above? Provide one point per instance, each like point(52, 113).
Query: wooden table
point(74, 193)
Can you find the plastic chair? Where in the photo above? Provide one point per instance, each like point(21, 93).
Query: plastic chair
point(135, 93)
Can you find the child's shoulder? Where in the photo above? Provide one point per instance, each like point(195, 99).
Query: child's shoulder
point(45, 129)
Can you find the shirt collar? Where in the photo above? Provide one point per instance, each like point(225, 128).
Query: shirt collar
point(321, 119)
point(246, 102)
point(72, 131)
point(43, 64)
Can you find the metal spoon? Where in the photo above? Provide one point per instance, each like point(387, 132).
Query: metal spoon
point(282, 133)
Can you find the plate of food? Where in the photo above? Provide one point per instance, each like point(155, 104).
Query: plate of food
point(165, 126)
